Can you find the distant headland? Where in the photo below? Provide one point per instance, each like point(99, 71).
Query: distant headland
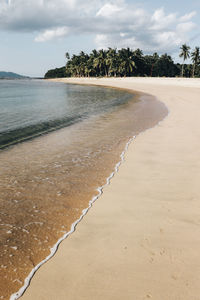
point(11, 75)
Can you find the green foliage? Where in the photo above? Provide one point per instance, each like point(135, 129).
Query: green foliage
point(56, 73)
point(185, 53)
point(195, 55)
point(126, 62)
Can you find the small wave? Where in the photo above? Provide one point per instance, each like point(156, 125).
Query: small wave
point(19, 135)
point(54, 249)
point(30, 109)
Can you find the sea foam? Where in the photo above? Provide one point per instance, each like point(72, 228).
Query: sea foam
point(54, 249)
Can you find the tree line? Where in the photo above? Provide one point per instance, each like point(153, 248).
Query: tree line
point(126, 62)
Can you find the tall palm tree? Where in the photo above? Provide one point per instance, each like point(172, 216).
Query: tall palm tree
point(127, 62)
point(75, 65)
point(195, 55)
point(185, 53)
point(154, 60)
point(112, 61)
point(83, 57)
point(138, 52)
point(100, 62)
point(89, 67)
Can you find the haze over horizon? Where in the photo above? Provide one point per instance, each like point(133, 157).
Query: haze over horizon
point(35, 34)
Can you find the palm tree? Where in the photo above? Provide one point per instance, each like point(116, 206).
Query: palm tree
point(89, 68)
point(67, 55)
point(185, 53)
point(100, 62)
point(195, 55)
point(112, 62)
point(138, 58)
point(83, 57)
point(154, 60)
point(127, 62)
point(165, 66)
point(93, 56)
point(138, 52)
point(75, 65)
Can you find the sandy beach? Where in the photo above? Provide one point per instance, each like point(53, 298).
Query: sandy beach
point(141, 239)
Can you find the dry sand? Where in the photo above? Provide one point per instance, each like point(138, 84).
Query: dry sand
point(141, 239)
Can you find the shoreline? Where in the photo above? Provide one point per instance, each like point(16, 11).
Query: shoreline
point(56, 166)
point(140, 246)
point(36, 134)
point(98, 193)
point(55, 248)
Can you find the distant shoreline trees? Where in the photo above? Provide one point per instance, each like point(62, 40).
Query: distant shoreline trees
point(126, 63)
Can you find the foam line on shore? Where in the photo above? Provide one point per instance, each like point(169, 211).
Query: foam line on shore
point(54, 249)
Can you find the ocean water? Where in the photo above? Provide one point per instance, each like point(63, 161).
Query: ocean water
point(73, 137)
point(29, 108)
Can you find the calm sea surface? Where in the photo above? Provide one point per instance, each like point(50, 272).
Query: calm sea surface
point(46, 181)
point(29, 108)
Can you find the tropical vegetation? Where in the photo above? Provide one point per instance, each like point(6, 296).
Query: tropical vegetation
point(195, 55)
point(126, 62)
point(185, 53)
point(56, 73)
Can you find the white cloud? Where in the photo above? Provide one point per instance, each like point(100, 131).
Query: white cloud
point(52, 34)
point(164, 39)
point(109, 10)
point(182, 28)
point(101, 39)
point(161, 21)
point(113, 22)
point(151, 32)
point(187, 17)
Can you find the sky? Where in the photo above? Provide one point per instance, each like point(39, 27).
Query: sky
point(36, 34)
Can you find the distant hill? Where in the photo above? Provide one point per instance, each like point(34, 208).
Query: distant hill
point(10, 75)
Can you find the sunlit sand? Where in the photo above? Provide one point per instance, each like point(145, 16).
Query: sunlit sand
point(141, 240)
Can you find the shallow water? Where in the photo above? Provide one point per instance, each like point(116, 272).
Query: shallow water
point(29, 108)
point(45, 183)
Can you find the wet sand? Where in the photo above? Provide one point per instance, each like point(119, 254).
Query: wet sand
point(48, 181)
point(141, 240)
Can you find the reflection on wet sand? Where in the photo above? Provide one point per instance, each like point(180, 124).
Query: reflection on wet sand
point(46, 183)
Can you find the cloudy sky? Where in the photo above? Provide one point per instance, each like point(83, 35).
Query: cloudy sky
point(35, 34)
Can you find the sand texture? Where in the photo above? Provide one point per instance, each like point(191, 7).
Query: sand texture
point(141, 239)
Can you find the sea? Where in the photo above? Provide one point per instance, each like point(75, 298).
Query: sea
point(59, 144)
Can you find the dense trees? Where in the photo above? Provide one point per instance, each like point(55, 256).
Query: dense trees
point(127, 62)
point(56, 73)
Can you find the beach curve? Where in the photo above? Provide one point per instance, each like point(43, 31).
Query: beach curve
point(134, 250)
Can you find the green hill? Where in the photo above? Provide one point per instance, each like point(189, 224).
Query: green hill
point(10, 75)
